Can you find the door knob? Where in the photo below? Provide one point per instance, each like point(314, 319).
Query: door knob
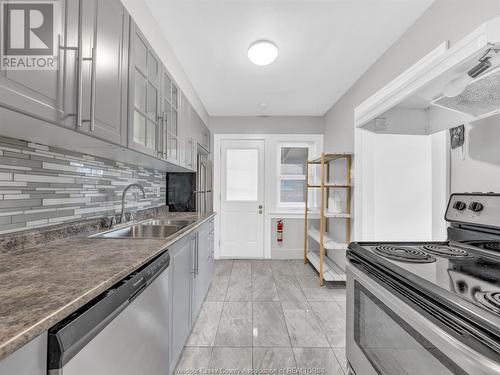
point(260, 207)
point(260, 211)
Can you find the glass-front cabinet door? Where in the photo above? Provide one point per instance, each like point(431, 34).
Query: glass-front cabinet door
point(144, 93)
point(184, 134)
point(166, 99)
point(169, 131)
point(173, 140)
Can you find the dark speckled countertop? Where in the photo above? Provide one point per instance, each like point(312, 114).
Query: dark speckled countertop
point(42, 285)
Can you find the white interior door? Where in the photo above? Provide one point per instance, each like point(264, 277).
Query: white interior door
point(242, 199)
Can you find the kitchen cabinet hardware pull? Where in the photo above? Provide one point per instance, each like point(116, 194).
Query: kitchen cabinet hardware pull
point(80, 61)
point(92, 89)
point(79, 92)
point(158, 134)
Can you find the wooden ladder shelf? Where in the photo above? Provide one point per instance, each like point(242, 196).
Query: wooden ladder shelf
point(328, 270)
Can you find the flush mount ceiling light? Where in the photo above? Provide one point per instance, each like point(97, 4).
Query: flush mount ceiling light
point(263, 52)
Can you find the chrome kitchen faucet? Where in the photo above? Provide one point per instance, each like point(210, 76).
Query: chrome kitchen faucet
point(122, 216)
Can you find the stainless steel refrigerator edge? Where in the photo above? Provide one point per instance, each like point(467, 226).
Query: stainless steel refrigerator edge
point(203, 192)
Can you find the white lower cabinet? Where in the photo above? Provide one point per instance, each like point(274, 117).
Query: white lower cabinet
point(191, 272)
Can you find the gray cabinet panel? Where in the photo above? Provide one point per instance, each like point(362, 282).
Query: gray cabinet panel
point(201, 132)
point(197, 293)
point(186, 139)
point(181, 272)
point(31, 359)
point(143, 95)
point(191, 272)
point(204, 265)
point(105, 29)
point(38, 93)
point(169, 127)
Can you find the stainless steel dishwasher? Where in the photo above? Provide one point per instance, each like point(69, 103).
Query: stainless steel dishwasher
point(122, 332)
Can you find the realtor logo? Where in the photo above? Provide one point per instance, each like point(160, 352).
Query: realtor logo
point(29, 35)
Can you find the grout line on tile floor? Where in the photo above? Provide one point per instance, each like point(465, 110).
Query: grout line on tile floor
point(251, 304)
point(222, 310)
point(284, 318)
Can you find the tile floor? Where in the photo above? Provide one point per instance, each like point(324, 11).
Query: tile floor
point(270, 316)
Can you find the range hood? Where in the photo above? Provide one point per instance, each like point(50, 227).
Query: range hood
point(446, 88)
point(479, 99)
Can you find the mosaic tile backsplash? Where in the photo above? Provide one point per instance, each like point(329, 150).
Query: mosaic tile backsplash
point(42, 185)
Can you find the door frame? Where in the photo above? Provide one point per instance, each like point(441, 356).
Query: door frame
point(217, 187)
point(270, 139)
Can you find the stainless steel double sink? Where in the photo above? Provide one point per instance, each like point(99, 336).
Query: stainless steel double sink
point(154, 228)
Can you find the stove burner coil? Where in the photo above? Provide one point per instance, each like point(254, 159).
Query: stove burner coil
point(404, 254)
point(490, 300)
point(446, 251)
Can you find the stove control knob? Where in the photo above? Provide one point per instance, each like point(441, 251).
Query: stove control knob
point(459, 205)
point(476, 207)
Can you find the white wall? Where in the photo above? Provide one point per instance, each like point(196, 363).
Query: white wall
point(292, 246)
point(444, 20)
point(153, 33)
point(440, 180)
point(267, 125)
point(394, 187)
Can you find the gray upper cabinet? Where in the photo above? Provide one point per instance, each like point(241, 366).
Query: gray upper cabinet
point(173, 129)
point(38, 93)
point(170, 118)
point(110, 85)
point(144, 95)
point(202, 134)
point(205, 137)
point(105, 35)
point(186, 138)
point(88, 90)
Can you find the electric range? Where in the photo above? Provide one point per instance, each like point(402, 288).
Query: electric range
point(429, 308)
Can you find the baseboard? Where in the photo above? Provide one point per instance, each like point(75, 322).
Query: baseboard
point(287, 253)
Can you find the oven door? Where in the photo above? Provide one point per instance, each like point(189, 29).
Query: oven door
point(387, 337)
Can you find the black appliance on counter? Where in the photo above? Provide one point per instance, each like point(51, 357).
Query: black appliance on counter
point(190, 192)
point(429, 308)
point(180, 191)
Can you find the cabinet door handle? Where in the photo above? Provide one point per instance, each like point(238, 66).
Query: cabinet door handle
point(159, 135)
point(79, 92)
point(197, 261)
point(81, 59)
point(92, 89)
point(197, 255)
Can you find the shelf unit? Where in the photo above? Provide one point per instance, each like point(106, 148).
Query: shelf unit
point(328, 270)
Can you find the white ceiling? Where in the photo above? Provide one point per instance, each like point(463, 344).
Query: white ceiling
point(324, 47)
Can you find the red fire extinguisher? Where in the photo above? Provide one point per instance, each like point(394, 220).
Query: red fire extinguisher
point(279, 231)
